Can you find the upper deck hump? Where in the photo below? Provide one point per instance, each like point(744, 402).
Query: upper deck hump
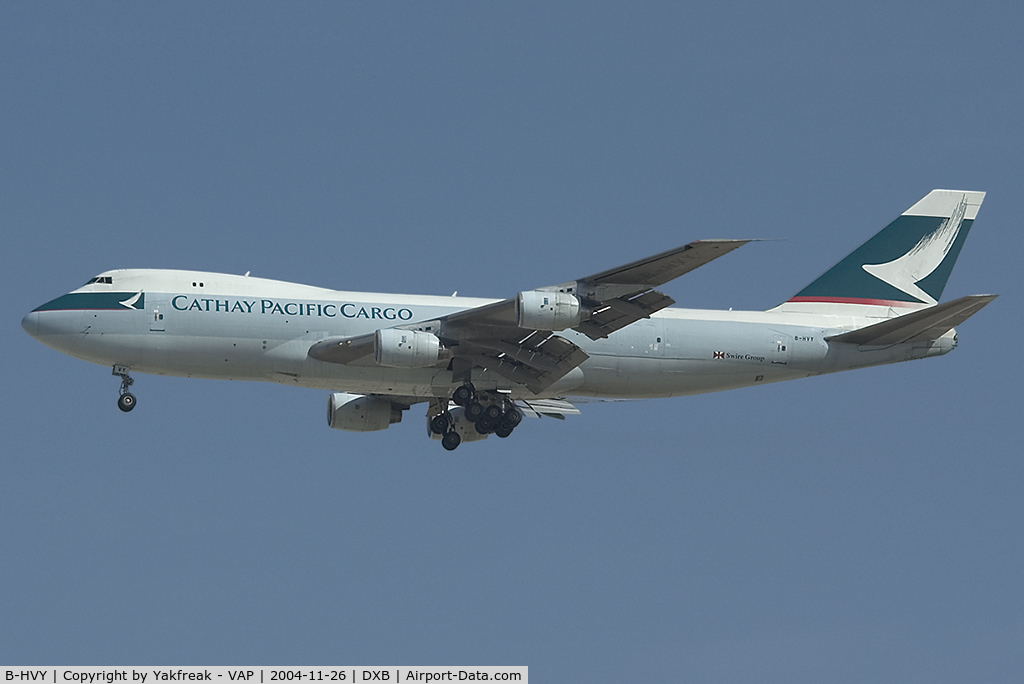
point(173, 281)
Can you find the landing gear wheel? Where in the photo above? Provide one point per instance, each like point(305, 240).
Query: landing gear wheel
point(451, 440)
point(503, 429)
point(484, 425)
point(474, 411)
point(126, 402)
point(493, 412)
point(513, 416)
point(440, 423)
point(464, 395)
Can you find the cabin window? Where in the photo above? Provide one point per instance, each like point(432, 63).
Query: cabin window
point(107, 280)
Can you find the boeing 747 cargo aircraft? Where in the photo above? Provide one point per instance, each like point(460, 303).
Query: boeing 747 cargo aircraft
point(481, 365)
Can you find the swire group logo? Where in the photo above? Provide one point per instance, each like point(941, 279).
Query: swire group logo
point(734, 356)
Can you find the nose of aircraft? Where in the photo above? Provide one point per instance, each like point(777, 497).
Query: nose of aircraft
point(61, 330)
point(30, 323)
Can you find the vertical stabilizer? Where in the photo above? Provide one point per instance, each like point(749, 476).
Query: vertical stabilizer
point(902, 268)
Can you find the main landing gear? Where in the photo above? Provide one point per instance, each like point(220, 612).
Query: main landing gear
point(488, 413)
point(444, 424)
point(125, 402)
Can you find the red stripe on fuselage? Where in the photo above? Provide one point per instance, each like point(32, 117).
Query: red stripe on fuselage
point(857, 300)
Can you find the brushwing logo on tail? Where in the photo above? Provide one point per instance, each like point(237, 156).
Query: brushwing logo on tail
point(923, 258)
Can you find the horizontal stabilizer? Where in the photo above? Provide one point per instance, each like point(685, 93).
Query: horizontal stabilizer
point(924, 324)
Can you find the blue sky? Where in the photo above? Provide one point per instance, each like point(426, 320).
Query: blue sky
point(862, 526)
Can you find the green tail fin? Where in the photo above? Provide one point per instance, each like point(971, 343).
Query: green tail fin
point(908, 263)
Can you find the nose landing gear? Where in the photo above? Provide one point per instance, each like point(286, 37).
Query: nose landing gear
point(126, 400)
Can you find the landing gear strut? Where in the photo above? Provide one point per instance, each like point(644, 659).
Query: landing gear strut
point(125, 402)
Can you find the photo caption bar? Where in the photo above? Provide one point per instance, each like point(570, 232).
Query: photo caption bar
point(262, 675)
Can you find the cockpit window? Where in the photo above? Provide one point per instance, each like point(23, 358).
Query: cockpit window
point(101, 279)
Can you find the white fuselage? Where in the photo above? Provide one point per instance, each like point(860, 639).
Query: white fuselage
point(209, 325)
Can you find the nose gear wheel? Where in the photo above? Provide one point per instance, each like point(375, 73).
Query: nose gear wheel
point(126, 401)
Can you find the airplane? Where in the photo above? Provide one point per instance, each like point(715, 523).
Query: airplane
point(481, 365)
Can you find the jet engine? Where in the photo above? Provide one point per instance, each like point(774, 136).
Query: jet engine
point(406, 348)
point(360, 413)
point(541, 310)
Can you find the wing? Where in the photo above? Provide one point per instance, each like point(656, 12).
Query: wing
point(624, 295)
point(494, 336)
point(617, 297)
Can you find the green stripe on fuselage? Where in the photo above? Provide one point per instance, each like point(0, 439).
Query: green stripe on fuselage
point(104, 301)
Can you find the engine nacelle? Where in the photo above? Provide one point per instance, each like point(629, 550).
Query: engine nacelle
point(406, 348)
point(541, 310)
point(360, 413)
